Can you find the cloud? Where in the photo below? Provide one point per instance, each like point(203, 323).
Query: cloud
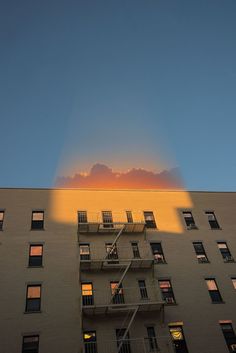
point(101, 176)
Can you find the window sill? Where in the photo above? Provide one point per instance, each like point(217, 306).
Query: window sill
point(171, 304)
point(160, 262)
point(33, 312)
point(218, 302)
point(35, 267)
point(33, 230)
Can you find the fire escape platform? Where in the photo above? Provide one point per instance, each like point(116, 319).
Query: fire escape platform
point(105, 264)
point(122, 308)
point(97, 227)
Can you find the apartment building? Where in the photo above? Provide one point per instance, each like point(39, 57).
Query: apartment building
point(122, 271)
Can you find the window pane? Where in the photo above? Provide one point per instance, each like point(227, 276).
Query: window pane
point(211, 284)
point(33, 292)
point(87, 289)
point(234, 282)
point(222, 246)
point(38, 216)
point(164, 284)
point(82, 217)
point(36, 250)
point(1, 215)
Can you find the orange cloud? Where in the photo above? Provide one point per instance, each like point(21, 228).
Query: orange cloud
point(101, 176)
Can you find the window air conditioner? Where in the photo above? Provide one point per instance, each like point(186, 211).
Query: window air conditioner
point(169, 300)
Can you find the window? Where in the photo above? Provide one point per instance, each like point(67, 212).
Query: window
point(117, 293)
point(167, 291)
point(149, 219)
point(90, 342)
point(225, 252)
point(123, 343)
point(178, 339)
point(129, 216)
point(229, 335)
point(234, 282)
point(212, 220)
point(135, 249)
point(87, 293)
point(189, 220)
point(30, 344)
point(213, 290)
point(37, 220)
point(143, 289)
point(200, 252)
point(84, 250)
point(158, 252)
point(112, 253)
point(82, 217)
point(33, 298)
point(1, 219)
point(152, 341)
point(107, 219)
point(36, 255)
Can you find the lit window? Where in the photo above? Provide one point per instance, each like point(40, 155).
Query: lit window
point(135, 249)
point(234, 282)
point(87, 293)
point(200, 252)
point(84, 250)
point(117, 293)
point(143, 289)
point(37, 220)
point(107, 219)
point(212, 220)
point(1, 219)
point(82, 217)
point(33, 298)
point(213, 290)
point(167, 291)
point(189, 220)
point(229, 335)
point(149, 219)
point(35, 255)
point(90, 342)
point(224, 250)
point(158, 252)
point(30, 344)
point(178, 338)
point(129, 216)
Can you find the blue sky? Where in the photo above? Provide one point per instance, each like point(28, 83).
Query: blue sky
point(118, 82)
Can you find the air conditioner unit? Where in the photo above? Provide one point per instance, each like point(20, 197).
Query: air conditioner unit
point(169, 300)
point(202, 259)
point(228, 259)
point(192, 226)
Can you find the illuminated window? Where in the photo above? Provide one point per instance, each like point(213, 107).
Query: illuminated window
point(212, 220)
point(30, 344)
point(178, 339)
point(35, 255)
point(107, 219)
point(90, 342)
point(234, 282)
point(135, 249)
point(129, 216)
point(189, 220)
point(149, 219)
point(123, 342)
point(229, 335)
point(84, 250)
point(33, 298)
point(213, 290)
point(37, 220)
point(117, 293)
point(87, 293)
point(82, 217)
point(143, 289)
point(167, 291)
point(158, 252)
point(152, 341)
point(224, 250)
point(200, 252)
point(1, 219)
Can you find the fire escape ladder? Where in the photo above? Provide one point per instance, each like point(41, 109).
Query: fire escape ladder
point(127, 329)
point(118, 288)
point(113, 245)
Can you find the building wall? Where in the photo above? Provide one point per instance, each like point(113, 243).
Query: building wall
point(60, 322)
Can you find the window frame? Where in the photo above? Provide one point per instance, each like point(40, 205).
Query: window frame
point(226, 254)
point(143, 289)
point(34, 256)
point(2, 220)
point(214, 293)
point(151, 223)
point(107, 219)
point(158, 254)
point(211, 222)
point(200, 255)
point(169, 298)
point(87, 299)
point(37, 224)
point(23, 349)
point(189, 221)
point(82, 216)
point(36, 299)
point(87, 257)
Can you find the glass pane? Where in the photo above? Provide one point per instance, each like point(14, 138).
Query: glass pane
point(87, 289)
point(222, 246)
point(38, 216)
point(234, 282)
point(1, 215)
point(164, 284)
point(211, 284)
point(36, 250)
point(33, 292)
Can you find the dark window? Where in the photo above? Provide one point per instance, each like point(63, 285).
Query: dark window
point(123, 343)
point(117, 293)
point(224, 250)
point(33, 298)
point(152, 341)
point(84, 250)
point(143, 289)
point(158, 252)
point(112, 253)
point(135, 249)
point(178, 339)
point(129, 216)
point(36, 255)
point(107, 219)
point(82, 217)
point(229, 336)
point(87, 293)
point(212, 220)
point(30, 344)
point(213, 290)
point(149, 219)
point(200, 252)
point(37, 220)
point(1, 219)
point(234, 282)
point(189, 220)
point(90, 342)
point(167, 291)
